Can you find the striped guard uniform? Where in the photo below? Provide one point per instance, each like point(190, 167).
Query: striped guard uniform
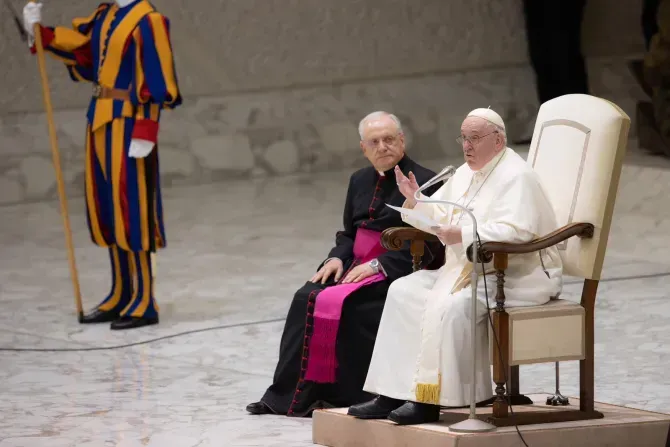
point(128, 49)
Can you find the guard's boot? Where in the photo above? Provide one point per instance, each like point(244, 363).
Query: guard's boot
point(142, 310)
point(119, 297)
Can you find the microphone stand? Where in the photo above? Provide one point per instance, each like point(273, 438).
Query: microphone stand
point(472, 424)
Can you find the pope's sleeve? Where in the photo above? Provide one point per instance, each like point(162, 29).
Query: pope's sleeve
point(72, 46)
point(156, 86)
point(430, 210)
point(514, 215)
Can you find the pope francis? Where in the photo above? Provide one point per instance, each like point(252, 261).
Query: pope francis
point(423, 354)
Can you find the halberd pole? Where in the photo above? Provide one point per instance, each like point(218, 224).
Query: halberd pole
point(41, 62)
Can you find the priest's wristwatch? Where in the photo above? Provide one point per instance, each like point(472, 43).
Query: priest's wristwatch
point(375, 265)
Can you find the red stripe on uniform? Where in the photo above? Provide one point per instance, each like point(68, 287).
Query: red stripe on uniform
point(123, 193)
point(94, 185)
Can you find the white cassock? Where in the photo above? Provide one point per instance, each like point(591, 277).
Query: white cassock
point(423, 351)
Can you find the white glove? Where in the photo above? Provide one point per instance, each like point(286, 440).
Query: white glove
point(32, 14)
point(140, 148)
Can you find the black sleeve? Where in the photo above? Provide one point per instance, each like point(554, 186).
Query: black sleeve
point(398, 263)
point(344, 239)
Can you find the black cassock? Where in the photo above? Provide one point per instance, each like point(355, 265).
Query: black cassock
point(367, 196)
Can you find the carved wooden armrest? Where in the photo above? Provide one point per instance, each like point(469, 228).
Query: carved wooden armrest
point(499, 252)
point(488, 249)
point(393, 239)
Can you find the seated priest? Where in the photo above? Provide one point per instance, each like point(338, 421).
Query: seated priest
point(332, 322)
point(423, 354)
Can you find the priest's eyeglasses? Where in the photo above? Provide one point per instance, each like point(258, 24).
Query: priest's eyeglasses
point(389, 140)
point(473, 140)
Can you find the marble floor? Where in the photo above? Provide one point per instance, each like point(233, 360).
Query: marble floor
point(237, 252)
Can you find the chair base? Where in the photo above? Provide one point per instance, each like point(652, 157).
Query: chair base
point(520, 399)
point(543, 417)
point(558, 400)
point(515, 400)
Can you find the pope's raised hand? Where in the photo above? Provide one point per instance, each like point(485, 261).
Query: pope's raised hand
point(407, 185)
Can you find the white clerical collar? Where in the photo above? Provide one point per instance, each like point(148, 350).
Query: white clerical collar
point(488, 167)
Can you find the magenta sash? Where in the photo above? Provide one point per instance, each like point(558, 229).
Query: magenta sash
point(322, 360)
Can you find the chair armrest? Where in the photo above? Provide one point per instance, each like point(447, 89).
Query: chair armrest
point(394, 237)
point(488, 249)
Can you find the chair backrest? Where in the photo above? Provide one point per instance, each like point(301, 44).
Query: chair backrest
point(578, 147)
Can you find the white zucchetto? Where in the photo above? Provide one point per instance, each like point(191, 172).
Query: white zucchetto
point(488, 115)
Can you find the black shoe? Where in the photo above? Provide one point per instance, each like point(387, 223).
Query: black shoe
point(377, 408)
point(258, 408)
point(99, 316)
point(132, 322)
point(413, 413)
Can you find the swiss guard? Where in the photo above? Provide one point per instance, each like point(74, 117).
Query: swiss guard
point(123, 48)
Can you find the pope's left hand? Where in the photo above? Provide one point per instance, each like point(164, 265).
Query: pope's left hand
point(448, 234)
point(358, 273)
point(140, 148)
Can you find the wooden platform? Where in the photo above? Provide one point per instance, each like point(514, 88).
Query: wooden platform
point(621, 427)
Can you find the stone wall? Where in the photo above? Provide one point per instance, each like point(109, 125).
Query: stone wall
point(273, 87)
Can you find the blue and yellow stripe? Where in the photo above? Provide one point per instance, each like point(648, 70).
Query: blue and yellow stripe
point(122, 287)
point(142, 303)
point(130, 49)
point(66, 41)
point(122, 193)
point(155, 71)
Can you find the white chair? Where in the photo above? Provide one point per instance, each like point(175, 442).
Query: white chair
point(578, 147)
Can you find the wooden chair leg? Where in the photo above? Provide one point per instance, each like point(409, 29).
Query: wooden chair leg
point(586, 366)
point(500, 373)
point(513, 384)
point(501, 370)
point(515, 396)
point(587, 411)
point(417, 250)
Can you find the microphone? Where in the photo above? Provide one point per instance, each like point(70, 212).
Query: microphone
point(443, 175)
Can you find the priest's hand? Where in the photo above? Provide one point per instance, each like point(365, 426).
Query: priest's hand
point(334, 266)
point(407, 186)
point(448, 234)
point(358, 273)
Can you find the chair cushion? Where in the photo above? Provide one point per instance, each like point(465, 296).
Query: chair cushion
point(551, 332)
point(553, 307)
